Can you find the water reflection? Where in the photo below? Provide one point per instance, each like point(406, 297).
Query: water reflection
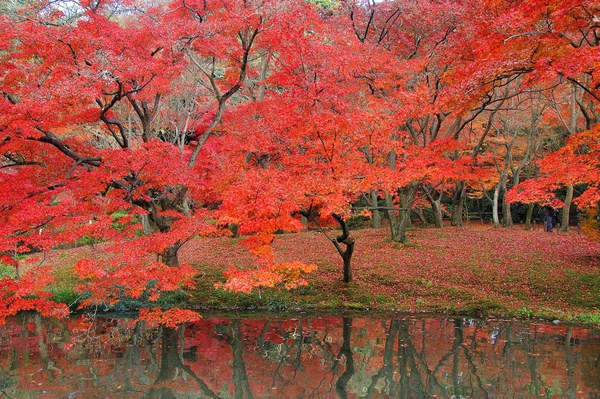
point(300, 358)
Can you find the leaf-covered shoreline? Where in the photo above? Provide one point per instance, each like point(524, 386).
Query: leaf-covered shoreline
point(472, 270)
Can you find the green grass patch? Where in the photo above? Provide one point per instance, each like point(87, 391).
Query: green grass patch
point(479, 307)
point(64, 285)
point(585, 290)
point(7, 271)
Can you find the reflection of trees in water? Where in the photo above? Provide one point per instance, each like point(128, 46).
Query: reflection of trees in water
point(345, 351)
point(409, 358)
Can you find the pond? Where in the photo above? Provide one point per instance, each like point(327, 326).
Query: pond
point(305, 357)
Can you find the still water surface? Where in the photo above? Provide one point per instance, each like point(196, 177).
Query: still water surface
point(309, 357)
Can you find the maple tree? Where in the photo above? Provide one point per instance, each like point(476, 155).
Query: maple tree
point(145, 124)
point(558, 43)
point(81, 99)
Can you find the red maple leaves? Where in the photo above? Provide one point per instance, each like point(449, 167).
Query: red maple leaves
point(148, 126)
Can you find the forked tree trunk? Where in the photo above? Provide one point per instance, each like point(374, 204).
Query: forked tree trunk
point(438, 215)
point(403, 222)
point(564, 222)
point(436, 205)
point(457, 203)
point(169, 255)
point(344, 238)
point(346, 253)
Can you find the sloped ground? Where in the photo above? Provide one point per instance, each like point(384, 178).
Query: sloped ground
point(472, 269)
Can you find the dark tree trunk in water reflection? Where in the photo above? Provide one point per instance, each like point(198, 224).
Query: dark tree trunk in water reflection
point(170, 360)
point(570, 359)
point(403, 355)
point(532, 362)
point(240, 376)
point(387, 370)
point(345, 351)
point(472, 367)
point(458, 340)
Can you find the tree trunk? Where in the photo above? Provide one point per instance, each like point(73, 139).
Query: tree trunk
point(347, 267)
point(346, 253)
point(438, 216)
point(436, 206)
point(375, 212)
point(407, 197)
point(389, 203)
point(145, 220)
point(495, 218)
point(506, 214)
point(457, 203)
point(422, 219)
point(564, 222)
point(169, 255)
point(346, 351)
point(529, 217)
point(598, 214)
point(240, 375)
point(344, 238)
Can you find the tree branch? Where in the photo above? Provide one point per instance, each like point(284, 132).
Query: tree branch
point(50, 138)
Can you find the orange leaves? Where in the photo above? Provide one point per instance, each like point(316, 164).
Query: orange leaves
point(589, 199)
point(269, 273)
point(169, 318)
point(110, 280)
point(589, 224)
point(293, 272)
point(316, 113)
point(8, 260)
point(90, 269)
point(260, 245)
point(29, 293)
point(288, 274)
point(575, 163)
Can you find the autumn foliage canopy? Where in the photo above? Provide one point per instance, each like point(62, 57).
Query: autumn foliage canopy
point(143, 124)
